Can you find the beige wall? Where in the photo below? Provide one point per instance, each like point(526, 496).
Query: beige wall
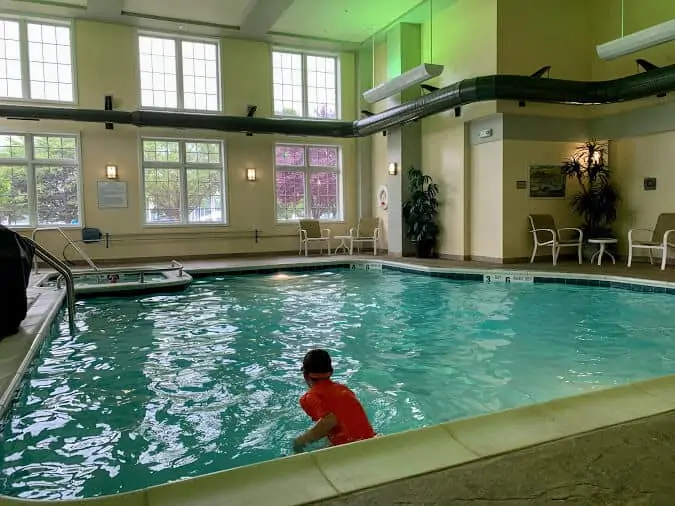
point(106, 64)
point(486, 197)
point(518, 157)
point(633, 159)
point(380, 159)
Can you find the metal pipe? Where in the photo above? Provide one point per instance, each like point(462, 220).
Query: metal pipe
point(480, 89)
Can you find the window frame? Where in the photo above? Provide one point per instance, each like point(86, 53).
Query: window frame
point(31, 163)
point(308, 170)
point(25, 62)
point(305, 102)
point(178, 38)
point(183, 166)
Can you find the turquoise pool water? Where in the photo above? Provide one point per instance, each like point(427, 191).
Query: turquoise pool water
point(159, 388)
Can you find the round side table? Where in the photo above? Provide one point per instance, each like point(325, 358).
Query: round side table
point(602, 242)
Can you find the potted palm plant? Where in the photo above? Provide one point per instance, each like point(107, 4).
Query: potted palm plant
point(420, 213)
point(598, 197)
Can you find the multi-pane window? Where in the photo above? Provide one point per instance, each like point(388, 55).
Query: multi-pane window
point(305, 85)
point(35, 61)
point(183, 182)
point(179, 74)
point(39, 180)
point(308, 182)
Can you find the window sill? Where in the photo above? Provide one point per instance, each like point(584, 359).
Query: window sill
point(188, 226)
point(180, 111)
point(297, 222)
point(35, 102)
point(282, 116)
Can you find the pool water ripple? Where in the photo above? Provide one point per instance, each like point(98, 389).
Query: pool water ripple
point(164, 387)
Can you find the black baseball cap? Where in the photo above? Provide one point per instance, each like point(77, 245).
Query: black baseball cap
point(317, 362)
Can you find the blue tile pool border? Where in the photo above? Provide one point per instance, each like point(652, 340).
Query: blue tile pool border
point(476, 275)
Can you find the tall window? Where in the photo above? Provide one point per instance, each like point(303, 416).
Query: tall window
point(35, 61)
point(305, 85)
point(39, 180)
point(308, 182)
point(179, 74)
point(183, 182)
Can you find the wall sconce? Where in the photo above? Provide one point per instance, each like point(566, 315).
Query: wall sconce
point(111, 171)
point(393, 168)
point(251, 174)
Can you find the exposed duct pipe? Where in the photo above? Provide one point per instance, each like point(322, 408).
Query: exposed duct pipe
point(480, 89)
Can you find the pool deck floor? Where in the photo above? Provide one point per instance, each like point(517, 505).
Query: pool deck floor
point(625, 464)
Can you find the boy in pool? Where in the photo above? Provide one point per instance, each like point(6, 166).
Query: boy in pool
point(338, 414)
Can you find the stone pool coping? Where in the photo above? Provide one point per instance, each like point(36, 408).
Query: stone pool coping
point(333, 472)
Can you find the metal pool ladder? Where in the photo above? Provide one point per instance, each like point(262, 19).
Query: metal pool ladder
point(82, 254)
point(64, 271)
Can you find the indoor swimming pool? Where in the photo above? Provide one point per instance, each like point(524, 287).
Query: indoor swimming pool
point(158, 388)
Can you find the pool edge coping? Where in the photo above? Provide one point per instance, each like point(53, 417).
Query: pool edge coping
point(339, 471)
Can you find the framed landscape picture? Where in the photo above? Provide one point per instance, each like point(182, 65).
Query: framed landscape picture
point(547, 182)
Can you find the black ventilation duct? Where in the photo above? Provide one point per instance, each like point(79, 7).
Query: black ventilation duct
point(480, 89)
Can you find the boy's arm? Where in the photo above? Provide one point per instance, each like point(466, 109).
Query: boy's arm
point(320, 430)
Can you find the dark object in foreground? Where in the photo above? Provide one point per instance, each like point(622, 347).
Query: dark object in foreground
point(16, 259)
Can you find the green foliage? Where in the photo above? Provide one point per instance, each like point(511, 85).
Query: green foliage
point(598, 197)
point(420, 211)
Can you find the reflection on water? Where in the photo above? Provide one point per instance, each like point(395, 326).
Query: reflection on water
point(166, 387)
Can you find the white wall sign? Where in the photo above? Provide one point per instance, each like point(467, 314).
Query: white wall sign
point(508, 277)
point(112, 194)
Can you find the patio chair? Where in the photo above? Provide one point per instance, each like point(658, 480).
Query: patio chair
point(311, 233)
point(366, 232)
point(662, 238)
point(545, 233)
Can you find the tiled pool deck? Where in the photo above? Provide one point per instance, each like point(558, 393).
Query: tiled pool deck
point(608, 446)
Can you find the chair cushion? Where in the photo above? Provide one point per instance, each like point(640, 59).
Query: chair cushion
point(367, 226)
point(664, 222)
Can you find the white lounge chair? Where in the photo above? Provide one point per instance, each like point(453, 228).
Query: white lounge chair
point(366, 232)
point(311, 233)
point(661, 239)
point(545, 233)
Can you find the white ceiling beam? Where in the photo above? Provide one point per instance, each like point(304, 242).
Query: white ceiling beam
point(105, 10)
point(261, 15)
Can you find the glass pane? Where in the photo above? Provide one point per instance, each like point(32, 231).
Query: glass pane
point(321, 87)
point(54, 148)
point(10, 60)
point(14, 195)
point(202, 152)
point(290, 156)
point(290, 195)
point(324, 196)
point(162, 196)
point(325, 156)
point(157, 65)
point(205, 195)
point(49, 56)
point(56, 192)
point(287, 83)
point(12, 146)
point(161, 151)
point(200, 76)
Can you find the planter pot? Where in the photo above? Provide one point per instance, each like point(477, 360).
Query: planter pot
point(425, 249)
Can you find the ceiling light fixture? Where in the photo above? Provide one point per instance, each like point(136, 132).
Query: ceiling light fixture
point(406, 80)
point(649, 37)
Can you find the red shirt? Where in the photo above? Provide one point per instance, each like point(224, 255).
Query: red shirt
point(327, 397)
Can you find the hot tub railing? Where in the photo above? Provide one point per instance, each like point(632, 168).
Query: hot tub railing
point(142, 271)
point(84, 256)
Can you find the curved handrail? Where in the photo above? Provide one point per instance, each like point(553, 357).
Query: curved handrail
point(479, 89)
point(64, 271)
point(84, 256)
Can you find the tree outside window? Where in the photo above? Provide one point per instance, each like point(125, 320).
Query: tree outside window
point(183, 182)
point(307, 182)
point(39, 180)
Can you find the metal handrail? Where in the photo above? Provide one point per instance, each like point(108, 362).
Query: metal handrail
point(84, 256)
point(64, 271)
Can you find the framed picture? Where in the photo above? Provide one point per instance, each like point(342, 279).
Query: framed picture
point(112, 194)
point(547, 182)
